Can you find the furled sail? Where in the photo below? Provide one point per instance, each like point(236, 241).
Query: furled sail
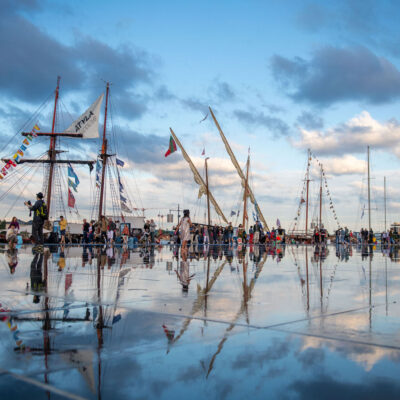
point(239, 170)
point(87, 124)
point(198, 179)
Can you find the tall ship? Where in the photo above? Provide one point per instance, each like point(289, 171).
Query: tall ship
point(108, 191)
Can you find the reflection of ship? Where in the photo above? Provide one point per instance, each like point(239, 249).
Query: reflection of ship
point(99, 287)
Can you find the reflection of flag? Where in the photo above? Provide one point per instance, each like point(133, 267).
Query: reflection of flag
point(71, 199)
point(363, 212)
point(68, 282)
point(119, 162)
point(116, 318)
point(204, 151)
point(172, 147)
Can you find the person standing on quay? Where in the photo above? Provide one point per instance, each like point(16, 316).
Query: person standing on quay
point(185, 225)
point(39, 216)
point(63, 227)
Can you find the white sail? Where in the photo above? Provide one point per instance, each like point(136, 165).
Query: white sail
point(87, 124)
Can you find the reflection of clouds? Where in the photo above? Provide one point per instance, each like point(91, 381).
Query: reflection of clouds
point(365, 356)
point(324, 387)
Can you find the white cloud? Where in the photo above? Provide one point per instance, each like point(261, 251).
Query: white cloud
point(353, 136)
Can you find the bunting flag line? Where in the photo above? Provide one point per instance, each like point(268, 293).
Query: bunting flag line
point(172, 147)
point(123, 197)
point(14, 160)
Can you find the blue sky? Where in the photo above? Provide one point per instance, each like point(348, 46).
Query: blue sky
point(273, 71)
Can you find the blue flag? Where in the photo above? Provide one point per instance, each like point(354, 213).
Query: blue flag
point(72, 174)
point(119, 162)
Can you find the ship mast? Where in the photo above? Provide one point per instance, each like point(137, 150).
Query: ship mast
point(320, 203)
point(52, 148)
point(245, 193)
point(308, 186)
point(208, 194)
point(104, 156)
point(369, 194)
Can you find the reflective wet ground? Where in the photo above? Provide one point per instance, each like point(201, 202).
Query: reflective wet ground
point(285, 323)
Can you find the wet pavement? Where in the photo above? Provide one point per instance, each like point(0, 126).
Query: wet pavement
point(285, 323)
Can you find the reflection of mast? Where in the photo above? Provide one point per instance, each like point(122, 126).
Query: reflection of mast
point(320, 279)
point(308, 284)
point(384, 196)
point(198, 179)
point(239, 170)
point(243, 307)
point(370, 294)
point(201, 299)
point(99, 325)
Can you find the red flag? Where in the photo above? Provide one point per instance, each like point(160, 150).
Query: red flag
point(71, 199)
point(172, 147)
point(203, 153)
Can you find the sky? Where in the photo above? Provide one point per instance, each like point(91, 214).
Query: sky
point(281, 77)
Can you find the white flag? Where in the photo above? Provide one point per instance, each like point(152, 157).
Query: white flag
point(88, 123)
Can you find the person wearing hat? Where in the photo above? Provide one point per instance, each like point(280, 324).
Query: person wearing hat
point(39, 210)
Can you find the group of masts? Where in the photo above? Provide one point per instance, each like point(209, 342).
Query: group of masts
point(52, 159)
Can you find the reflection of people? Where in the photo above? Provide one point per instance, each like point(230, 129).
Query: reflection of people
point(37, 282)
point(184, 274)
point(61, 260)
point(185, 225)
point(12, 232)
point(12, 258)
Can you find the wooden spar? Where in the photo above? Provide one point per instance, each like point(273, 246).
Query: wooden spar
point(52, 148)
point(35, 161)
point(245, 194)
point(208, 194)
point(198, 179)
point(103, 155)
point(74, 135)
point(238, 169)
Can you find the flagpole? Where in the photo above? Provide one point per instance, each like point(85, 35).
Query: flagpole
point(384, 193)
point(369, 194)
point(208, 195)
point(308, 184)
point(245, 193)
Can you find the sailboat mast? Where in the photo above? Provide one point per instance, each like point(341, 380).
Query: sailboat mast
point(245, 193)
point(369, 194)
point(384, 196)
point(52, 148)
point(308, 185)
point(104, 155)
point(320, 202)
point(208, 194)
